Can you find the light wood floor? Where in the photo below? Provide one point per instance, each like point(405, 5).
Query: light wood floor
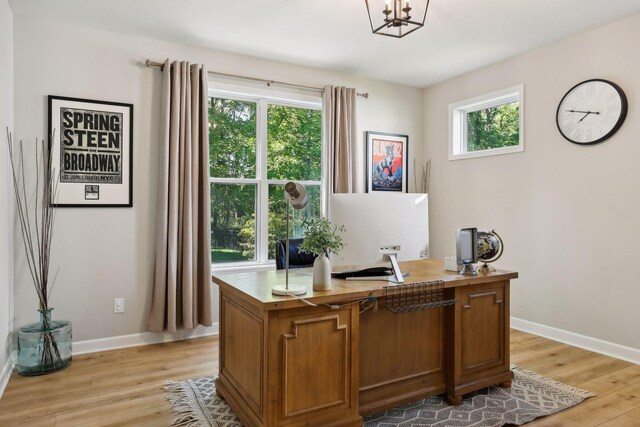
point(122, 387)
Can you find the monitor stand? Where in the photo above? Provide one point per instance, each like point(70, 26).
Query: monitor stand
point(393, 257)
point(468, 270)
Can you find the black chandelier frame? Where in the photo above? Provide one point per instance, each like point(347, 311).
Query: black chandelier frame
point(397, 22)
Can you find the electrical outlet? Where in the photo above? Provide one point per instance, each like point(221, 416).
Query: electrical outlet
point(423, 254)
point(118, 305)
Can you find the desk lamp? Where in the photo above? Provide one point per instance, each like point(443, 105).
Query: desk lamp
point(297, 198)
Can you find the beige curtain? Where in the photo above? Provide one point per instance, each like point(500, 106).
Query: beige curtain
point(182, 280)
point(339, 104)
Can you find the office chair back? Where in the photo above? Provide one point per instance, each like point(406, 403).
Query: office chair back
point(296, 258)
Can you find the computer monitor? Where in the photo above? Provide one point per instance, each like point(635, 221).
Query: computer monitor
point(375, 222)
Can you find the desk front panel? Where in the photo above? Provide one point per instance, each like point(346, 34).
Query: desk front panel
point(478, 339)
point(401, 357)
point(311, 366)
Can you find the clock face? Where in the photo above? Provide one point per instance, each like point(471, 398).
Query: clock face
point(591, 112)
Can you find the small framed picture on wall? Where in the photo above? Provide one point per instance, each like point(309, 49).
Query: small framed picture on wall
point(387, 168)
point(91, 152)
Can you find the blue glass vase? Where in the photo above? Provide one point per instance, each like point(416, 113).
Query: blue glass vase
point(44, 347)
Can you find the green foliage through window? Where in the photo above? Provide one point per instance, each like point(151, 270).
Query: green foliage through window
point(493, 127)
point(232, 138)
point(233, 229)
point(294, 152)
point(298, 219)
point(294, 143)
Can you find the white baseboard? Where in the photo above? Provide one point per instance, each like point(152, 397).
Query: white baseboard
point(5, 374)
point(607, 348)
point(112, 343)
point(143, 338)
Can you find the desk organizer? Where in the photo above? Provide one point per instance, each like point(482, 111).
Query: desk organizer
point(411, 297)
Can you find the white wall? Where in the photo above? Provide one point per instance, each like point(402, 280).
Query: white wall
point(568, 214)
point(6, 191)
point(108, 253)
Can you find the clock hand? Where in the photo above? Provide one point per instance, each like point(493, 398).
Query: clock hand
point(585, 116)
point(580, 111)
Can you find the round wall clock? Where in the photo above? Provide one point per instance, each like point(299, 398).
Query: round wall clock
point(591, 112)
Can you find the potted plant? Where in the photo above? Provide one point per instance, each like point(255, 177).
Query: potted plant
point(45, 346)
point(320, 239)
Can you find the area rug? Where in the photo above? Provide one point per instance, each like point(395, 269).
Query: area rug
point(195, 404)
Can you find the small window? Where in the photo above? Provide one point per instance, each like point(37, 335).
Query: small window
point(487, 125)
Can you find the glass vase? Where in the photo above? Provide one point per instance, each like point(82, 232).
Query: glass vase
point(44, 347)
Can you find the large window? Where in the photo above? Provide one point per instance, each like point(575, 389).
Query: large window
point(487, 125)
point(256, 146)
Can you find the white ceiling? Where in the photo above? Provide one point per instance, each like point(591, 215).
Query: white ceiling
point(459, 35)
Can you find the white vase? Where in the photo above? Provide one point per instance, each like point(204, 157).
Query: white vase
point(322, 273)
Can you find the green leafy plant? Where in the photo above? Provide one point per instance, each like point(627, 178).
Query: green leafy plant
point(322, 237)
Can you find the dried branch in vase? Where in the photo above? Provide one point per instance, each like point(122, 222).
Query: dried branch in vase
point(36, 222)
point(426, 177)
point(415, 173)
point(36, 218)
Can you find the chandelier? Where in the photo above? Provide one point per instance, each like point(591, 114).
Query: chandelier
point(395, 18)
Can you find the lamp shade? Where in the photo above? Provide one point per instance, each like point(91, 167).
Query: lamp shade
point(296, 194)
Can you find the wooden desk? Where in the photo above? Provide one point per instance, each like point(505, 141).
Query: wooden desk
point(285, 363)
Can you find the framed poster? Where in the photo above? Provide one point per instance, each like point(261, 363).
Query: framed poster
point(387, 168)
point(91, 152)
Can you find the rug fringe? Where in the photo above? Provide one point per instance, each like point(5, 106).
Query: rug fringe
point(180, 399)
point(578, 392)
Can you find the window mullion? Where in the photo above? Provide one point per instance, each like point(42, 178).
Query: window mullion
point(464, 142)
point(284, 181)
point(239, 181)
point(263, 200)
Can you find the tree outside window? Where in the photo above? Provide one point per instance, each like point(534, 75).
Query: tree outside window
point(487, 125)
point(253, 155)
point(493, 127)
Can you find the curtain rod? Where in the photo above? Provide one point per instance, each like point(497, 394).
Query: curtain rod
point(160, 65)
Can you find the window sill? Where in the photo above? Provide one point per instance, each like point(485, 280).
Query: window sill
point(242, 268)
point(487, 153)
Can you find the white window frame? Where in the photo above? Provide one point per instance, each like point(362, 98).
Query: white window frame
point(458, 113)
point(263, 100)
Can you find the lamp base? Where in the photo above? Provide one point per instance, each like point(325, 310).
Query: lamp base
point(293, 290)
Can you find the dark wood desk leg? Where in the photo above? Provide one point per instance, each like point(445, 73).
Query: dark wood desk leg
point(454, 400)
point(505, 384)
